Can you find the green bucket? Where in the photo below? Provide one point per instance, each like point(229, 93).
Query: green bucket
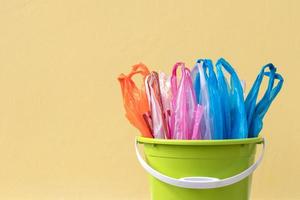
point(200, 169)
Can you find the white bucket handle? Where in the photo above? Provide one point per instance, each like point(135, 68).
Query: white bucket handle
point(199, 182)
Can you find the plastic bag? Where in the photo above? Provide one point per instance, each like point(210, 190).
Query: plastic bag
point(202, 95)
point(256, 112)
point(216, 120)
point(225, 102)
point(159, 125)
point(166, 96)
point(135, 99)
point(183, 104)
point(232, 102)
point(198, 117)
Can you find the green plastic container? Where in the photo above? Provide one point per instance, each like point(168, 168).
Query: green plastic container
point(199, 169)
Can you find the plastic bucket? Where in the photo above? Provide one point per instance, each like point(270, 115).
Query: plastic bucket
point(200, 169)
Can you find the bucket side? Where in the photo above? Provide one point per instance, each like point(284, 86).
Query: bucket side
point(210, 161)
point(219, 161)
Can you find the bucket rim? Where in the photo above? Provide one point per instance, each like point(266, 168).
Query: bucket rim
point(144, 140)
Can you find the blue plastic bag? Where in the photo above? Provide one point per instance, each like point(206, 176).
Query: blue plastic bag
point(196, 83)
point(207, 94)
point(225, 102)
point(256, 112)
point(232, 102)
point(216, 120)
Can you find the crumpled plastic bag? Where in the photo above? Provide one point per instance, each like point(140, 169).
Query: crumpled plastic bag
point(135, 99)
point(183, 104)
point(200, 83)
point(256, 112)
point(166, 96)
point(232, 102)
point(159, 125)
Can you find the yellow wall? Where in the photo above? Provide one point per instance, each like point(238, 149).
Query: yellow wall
point(63, 134)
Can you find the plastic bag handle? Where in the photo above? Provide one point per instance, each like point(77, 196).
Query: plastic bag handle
point(174, 85)
point(271, 92)
point(223, 63)
point(250, 102)
point(136, 69)
point(207, 67)
point(199, 182)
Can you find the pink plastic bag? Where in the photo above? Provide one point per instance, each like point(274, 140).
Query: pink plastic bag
point(198, 116)
point(158, 122)
point(166, 97)
point(184, 106)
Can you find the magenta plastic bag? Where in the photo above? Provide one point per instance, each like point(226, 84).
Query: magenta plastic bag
point(184, 105)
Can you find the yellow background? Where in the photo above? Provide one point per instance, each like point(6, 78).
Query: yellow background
point(63, 134)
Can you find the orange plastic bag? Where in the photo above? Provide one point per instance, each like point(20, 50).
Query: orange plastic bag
point(135, 100)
